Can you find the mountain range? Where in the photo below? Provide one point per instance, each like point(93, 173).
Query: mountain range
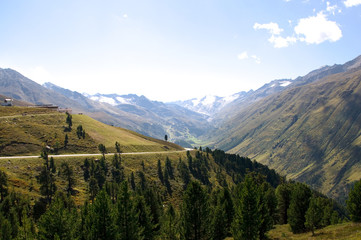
point(307, 128)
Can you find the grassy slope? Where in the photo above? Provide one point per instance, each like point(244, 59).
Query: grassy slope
point(24, 131)
point(344, 231)
point(312, 134)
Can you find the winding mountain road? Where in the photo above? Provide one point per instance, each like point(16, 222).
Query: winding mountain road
point(93, 154)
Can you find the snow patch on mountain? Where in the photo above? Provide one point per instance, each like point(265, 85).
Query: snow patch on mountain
point(285, 83)
point(104, 99)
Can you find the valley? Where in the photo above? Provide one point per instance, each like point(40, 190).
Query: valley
point(304, 130)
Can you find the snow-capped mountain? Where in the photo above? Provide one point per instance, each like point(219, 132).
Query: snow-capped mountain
point(211, 105)
point(208, 105)
point(115, 99)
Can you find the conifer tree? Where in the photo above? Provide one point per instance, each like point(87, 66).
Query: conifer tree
point(46, 179)
point(300, 198)
point(69, 121)
point(102, 218)
point(68, 173)
point(166, 182)
point(227, 203)
point(160, 172)
point(66, 140)
point(27, 226)
point(144, 219)
point(314, 214)
point(5, 228)
point(79, 131)
point(169, 224)
point(126, 217)
point(195, 213)
point(132, 181)
point(117, 148)
point(247, 219)
point(102, 149)
point(218, 229)
point(169, 168)
point(58, 220)
point(86, 167)
point(184, 173)
point(354, 202)
point(283, 194)
point(3, 185)
point(93, 188)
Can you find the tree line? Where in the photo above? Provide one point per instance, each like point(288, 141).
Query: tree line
point(119, 207)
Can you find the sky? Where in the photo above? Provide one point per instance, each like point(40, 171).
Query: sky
point(171, 50)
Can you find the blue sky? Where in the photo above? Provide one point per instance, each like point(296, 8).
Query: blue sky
point(175, 49)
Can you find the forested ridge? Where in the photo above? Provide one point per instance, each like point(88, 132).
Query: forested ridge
point(121, 206)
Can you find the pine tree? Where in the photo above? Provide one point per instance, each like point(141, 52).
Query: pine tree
point(86, 167)
point(169, 168)
point(314, 214)
point(126, 217)
point(144, 219)
point(5, 228)
point(79, 131)
point(117, 148)
point(68, 173)
point(93, 188)
point(66, 140)
point(219, 222)
point(300, 198)
point(102, 218)
point(166, 182)
point(160, 172)
point(283, 194)
point(3, 185)
point(195, 213)
point(132, 181)
point(102, 149)
point(27, 226)
point(227, 203)
point(267, 208)
point(184, 173)
point(46, 179)
point(247, 219)
point(354, 202)
point(58, 220)
point(69, 121)
point(169, 224)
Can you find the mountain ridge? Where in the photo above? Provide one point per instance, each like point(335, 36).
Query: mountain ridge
point(310, 132)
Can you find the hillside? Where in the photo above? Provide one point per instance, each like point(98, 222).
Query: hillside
point(24, 131)
point(310, 132)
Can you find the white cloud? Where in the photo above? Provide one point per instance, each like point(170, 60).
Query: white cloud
point(352, 3)
point(243, 55)
point(272, 27)
point(125, 15)
point(281, 42)
point(332, 9)
point(317, 29)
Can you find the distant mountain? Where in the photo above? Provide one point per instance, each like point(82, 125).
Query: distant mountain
point(310, 130)
point(147, 117)
point(181, 124)
point(208, 105)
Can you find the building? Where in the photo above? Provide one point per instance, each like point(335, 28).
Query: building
point(8, 102)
